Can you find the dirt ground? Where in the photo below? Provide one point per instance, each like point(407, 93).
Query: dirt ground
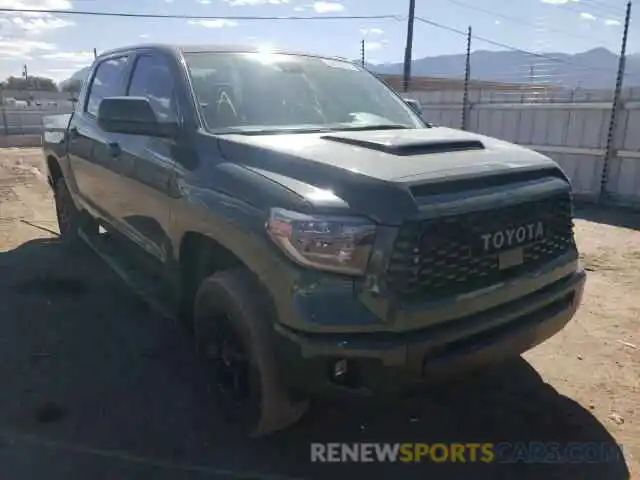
point(93, 383)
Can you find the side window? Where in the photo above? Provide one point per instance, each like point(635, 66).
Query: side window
point(107, 82)
point(152, 79)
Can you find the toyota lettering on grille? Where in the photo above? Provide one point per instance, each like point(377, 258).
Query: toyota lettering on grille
point(512, 237)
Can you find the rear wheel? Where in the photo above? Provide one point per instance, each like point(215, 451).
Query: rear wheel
point(233, 341)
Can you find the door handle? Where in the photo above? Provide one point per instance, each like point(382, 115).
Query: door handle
point(114, 149)
point(73, 132)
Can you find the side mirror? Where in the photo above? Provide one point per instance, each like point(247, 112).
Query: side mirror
point(132, 115)
point(415, 105)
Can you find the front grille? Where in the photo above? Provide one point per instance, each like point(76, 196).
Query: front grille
point(438, 258)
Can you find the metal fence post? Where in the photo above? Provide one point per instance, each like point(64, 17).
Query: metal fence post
point(610, 150)
point(4, 113)
point(467, 76)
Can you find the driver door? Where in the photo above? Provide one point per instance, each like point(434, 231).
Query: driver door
point(149, 195)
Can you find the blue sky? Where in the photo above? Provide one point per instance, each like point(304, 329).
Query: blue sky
point(56, 45)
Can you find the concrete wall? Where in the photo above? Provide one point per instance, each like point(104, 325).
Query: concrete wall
point(571, 128)
point(28, 120)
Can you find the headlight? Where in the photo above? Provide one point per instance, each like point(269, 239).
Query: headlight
point(337, 244)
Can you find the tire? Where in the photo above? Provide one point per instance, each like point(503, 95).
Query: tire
point(68, 215)
point(229, 319)
point(70, 218)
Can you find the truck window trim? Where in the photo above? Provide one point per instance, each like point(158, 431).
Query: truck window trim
point(93, 77)
point(132, 71)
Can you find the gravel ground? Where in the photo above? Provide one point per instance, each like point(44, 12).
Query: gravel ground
point(94, 384)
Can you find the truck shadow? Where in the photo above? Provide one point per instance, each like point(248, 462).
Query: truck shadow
point(510, 405)
point(616, 217)
point(87, 366)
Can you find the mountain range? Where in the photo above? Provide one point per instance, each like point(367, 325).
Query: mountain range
point(594, 68)
point(591, 69)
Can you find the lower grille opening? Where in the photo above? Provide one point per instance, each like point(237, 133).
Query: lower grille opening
point(477, 341)
point(448, 256)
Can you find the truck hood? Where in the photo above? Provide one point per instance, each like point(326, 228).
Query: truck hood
point(386, 175)
point(391, 155)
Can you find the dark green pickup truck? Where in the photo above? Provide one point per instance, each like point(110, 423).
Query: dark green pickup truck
point(313, 233)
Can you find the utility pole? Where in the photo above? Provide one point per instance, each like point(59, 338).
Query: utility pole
point(615, 109)
point(407, 51)
point(95, 53)
point(362, 53)
point(467, 77)
point(25, 73)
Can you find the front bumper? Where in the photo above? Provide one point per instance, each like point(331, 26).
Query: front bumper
point(382, 364)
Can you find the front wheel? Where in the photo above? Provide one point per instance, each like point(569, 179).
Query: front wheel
point(232, 339)
point(66, 212)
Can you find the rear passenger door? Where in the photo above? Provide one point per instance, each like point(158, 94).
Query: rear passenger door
point(96, 171)
point(149, 198)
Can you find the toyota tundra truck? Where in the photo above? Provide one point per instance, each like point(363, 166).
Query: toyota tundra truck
point(316, 237)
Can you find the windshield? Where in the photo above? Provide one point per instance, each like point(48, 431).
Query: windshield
point(257, 92)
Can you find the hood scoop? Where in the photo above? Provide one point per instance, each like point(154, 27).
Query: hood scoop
point(403, 145)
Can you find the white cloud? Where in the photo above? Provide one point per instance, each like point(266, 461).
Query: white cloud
point(327, 7)
point(37, 25)
point(371, 31)
point(59, 74)
point(498, 22)
point(378, 45)
point(217, 23)
point(204, 2)
point(299, 9)
point(36, 4)
point(252, 3)
point(17, 24)
point(559, 2)
point(69, 56)
point(611, 22)
point(587, 16)
point(372, 46)
point(144, 35)
point(23, 48)
point(61, 70)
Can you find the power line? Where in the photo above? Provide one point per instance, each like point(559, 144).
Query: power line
point(518, 20)
point(509, 47)
point(606, 7)
point(571, 8)
point(201, 17)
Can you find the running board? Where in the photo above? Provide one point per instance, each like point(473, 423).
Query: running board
point(149, 290)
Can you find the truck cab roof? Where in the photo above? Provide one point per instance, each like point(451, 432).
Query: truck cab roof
point(176, 49)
